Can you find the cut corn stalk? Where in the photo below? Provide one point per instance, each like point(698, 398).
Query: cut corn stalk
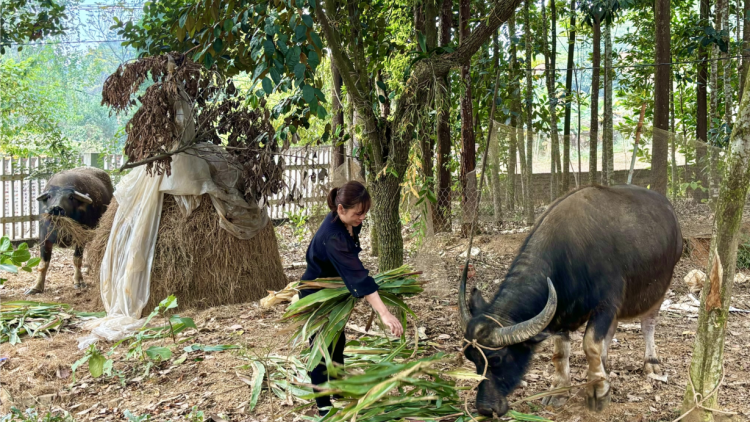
point(325, 313)
point(20, 318)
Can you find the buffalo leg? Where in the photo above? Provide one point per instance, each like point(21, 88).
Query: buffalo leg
point(45, 252)
point(607, 344)
point(598, 392)
point(648, 326)
point(561, 360)
point(77, 261)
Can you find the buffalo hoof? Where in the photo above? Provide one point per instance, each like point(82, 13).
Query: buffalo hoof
point(33, 291)
point(555, 401)
point(80, 285)
point(598, 396)
point(651, 366)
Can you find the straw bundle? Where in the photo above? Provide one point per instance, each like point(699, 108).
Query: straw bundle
point(199, 262)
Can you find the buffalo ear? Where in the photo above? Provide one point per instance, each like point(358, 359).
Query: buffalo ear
point(43, 197)
point(476, 302)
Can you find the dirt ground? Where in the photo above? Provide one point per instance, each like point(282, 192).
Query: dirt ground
point(37, 372)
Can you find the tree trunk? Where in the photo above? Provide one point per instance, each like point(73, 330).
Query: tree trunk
point(707, 364)
point(728, 64)
point(672, 138)
point(713, 159)
point(594, 131)
point(468, 148)
point(701, 126)
point(745, 44)
point(442, 216)
point(608, 162)
point(550, 53)
point(529, 113)
point(568, 87)
point(660, 150)
point(510, 188)
point(386, 194)
point(337, 120)
point(493, 149)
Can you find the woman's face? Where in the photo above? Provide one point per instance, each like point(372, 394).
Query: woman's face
point(353, 216)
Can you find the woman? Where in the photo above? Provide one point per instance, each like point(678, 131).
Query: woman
point(334, 252)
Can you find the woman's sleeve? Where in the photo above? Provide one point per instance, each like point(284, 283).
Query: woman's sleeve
point(356, 277)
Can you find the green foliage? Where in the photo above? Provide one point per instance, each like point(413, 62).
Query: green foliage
point(743, 254)
point(31, 415)
point(298, 221)
point(30, 20)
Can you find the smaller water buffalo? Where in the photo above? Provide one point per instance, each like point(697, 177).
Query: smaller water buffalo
point(81, 194)
point(597, 256)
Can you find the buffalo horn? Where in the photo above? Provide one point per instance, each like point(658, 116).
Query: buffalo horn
point(43, 197)
point(81, 197)
point(464, 314)
point(518, 333)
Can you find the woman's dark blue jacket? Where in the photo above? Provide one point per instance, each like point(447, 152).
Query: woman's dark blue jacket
point(335, 253)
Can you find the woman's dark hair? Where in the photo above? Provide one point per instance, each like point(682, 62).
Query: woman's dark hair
point(350, 195)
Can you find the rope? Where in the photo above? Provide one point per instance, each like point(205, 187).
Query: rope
point(698, 399)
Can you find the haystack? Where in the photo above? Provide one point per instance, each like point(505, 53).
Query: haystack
point(198, 261)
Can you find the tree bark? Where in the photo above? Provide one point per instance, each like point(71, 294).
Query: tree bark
point(515, 110)
point(728, 64)
point(337, 119)
point(493, 148)
point(713, 182)
point(745, 44)
point(608, 163)
point(594, 131)
point(442, 216)
point(551, 79)
point(568, 104)
point(701, 126)
point(468, 144)
point(672, 138)
point(660, 150)
point(529, 113)
point(707, 363)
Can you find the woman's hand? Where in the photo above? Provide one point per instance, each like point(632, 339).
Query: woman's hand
point(385, 315)
point(392, 322)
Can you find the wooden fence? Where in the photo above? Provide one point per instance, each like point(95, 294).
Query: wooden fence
point(23, 179)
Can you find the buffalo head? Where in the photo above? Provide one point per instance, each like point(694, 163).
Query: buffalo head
point(64, 202)
point(506, 345)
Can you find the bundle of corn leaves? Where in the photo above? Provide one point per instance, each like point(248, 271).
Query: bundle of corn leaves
point(325, 313)
point(20, 318)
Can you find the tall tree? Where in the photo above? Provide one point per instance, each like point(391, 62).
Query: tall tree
point(660, 151)
point(707, 365)
point(713, 158)
point(550, 53)
point(701, 124)
point(337, 119)
point(595, 12)
point(494, 149)
point(468, 148)
point(515, 110)
point(608, 166)
point(745, 46)
point(529, 201)
point(442, 221)
point(568, 98)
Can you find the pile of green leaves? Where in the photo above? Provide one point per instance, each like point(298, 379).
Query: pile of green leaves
point(11, 259)
point(325, 313)
point(390, 391)
point(19, 318)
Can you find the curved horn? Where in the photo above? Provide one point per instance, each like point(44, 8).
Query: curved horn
point(505, 336)
point(464, 314)
point(83, 198)
point(43, 197)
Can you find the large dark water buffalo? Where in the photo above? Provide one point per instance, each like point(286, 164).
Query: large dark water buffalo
point(81, 194)
point(597, 256)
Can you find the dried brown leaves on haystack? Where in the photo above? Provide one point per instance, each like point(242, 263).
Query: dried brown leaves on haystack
point(219, 115)
point(199, 262)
